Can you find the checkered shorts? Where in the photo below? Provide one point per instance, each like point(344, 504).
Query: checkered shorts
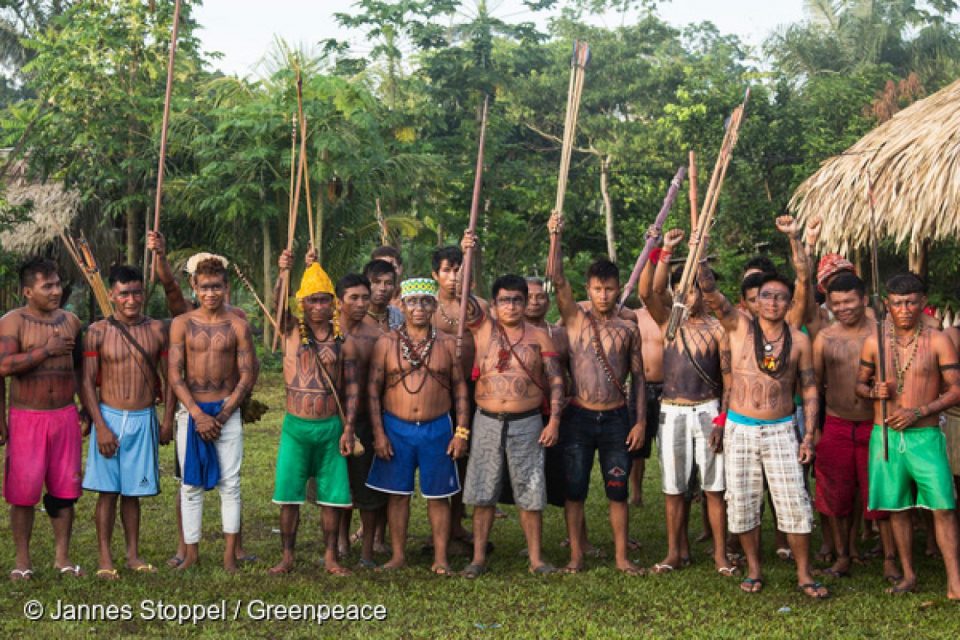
point(752, 451)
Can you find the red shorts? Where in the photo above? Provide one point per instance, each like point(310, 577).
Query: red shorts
point(841, 468)
point(42, 447)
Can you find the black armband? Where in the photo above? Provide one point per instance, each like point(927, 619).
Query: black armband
point(952, 365)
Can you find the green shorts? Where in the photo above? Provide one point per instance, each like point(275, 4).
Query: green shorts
point(311, 449)
point(917, 466)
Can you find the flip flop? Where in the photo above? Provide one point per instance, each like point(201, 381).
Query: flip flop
point(662, 567)
point(144, 568)
point(366, 564)
point(279, 571)
point(806, 588)
point(898, 590)
point(570, 571)
point(473, 571)
point(441, 570)
point(339, 572)
point(175, 562)
point(753, 585)
point(247, 558)
point(633, 571)
point(21, 574)
point(543, 570)
point(830, 572)
point(73, 570)
point(108, 574)
point(785, 554)
point(728, 571)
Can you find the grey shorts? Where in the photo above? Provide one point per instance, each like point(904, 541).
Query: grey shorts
point(510, 440)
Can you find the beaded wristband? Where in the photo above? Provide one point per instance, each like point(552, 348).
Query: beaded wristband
point(462, 433)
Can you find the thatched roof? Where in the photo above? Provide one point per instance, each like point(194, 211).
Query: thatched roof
point(914, 160)
point(54, 209)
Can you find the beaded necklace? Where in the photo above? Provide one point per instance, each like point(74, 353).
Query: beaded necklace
point(418, 355)
point(902, 371)
point(443, 314)
point(773, 366)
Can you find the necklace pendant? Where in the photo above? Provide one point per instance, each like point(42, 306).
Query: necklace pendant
point(767, 347)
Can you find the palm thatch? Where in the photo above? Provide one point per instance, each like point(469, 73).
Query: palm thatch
point(52, 210)
point(914, 162)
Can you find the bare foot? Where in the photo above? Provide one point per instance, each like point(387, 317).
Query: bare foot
point(285, 567)
point(187, 562)
point(393, 565)
point(230, 566)
point(630, 569)
point(139, 565)
point(338, 570)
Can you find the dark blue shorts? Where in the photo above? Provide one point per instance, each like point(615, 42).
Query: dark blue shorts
point(583, 432)
point(422, 445)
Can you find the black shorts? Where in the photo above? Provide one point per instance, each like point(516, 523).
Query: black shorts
point(654, 395)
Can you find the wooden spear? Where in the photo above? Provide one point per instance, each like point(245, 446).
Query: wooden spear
point(163, 131)
point(694, 211)
point(466, 269)
point(652, 240)
point(303, 159)
point(578, 64)
point(878, 309)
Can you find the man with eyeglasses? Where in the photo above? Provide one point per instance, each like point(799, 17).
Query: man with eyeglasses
point(125, 355)
point(212, 366)
point(414, 379)
point(518, 371)
point(767, 359)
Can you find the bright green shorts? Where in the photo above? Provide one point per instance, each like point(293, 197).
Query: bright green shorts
point(918, 466)
point(311, 449)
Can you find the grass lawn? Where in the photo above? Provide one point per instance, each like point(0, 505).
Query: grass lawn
point(505, 603)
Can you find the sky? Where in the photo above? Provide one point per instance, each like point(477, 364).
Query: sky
point(244, 30)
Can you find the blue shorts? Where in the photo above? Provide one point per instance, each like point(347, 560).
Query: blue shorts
point(133, 469)
point(416, 444)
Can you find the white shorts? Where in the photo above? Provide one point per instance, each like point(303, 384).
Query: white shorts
point(684, 438)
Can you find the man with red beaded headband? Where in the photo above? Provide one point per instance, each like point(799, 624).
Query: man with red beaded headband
point(414, 378)
point(923, 379)
point(317, 363)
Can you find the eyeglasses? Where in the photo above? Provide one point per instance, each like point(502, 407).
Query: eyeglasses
point(776, 297)
point(423, 302)
point(514, 301)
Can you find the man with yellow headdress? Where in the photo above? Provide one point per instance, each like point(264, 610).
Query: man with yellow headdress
point(318, 429)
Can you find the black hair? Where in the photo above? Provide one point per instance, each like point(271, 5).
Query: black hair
point(452, 254)
point(37, 265)
point(903, 284)
point(777, 277)
point(677, 275)
point(386, 251)
point(603, 269)
point(763, 263)
point(510, 282)
point(752, 281)
point(846, 281)
point(379, 267)
point(350, 281)
point(124, 273)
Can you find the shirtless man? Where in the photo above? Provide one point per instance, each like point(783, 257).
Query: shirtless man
point(212, 367)
point(923, 379)
point(127, 355)
point(604, 350)
point(951, 424)
point(414, 375)
point(697, 363)
point(519, 370)
point(447, 262)
point(392, 255)
point(317, 363)
point(383, 286)
point(843, 449)
point(38, 354)
point(768, 357)
point(362, 332)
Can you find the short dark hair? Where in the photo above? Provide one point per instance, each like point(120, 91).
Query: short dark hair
point(37, 265)
point(379, 267)
point(763, 263)
point(452, 254)
point(752, 281)
point(510, 282)
point(350, 281)
point(847, 281)
point(903, 284)
point(677, 275)
point(211, 267)
point(766, 278)
point(124, 273)
point(386, 251)
point(603, 269)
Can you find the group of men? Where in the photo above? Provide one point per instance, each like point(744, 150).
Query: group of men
point(382, 380)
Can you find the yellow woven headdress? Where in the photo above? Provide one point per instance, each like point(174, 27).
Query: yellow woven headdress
point(315, 280)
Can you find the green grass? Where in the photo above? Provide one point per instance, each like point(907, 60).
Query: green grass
point(506, 603)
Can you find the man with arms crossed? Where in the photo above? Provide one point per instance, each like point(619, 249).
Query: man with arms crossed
point(212, 367)
point(127, 354)
point(37, 354)
point(767, 359)
point(923, 379)
point(603, 350)
point(414, 373)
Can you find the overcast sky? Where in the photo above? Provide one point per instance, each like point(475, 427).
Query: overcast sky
point(243, 30)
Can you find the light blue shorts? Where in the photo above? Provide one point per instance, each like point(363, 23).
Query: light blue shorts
point(133, 469)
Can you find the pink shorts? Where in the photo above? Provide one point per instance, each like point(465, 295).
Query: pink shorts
point(42, 447)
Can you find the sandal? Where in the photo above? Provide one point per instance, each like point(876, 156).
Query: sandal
point(21, 574)
point(366, 564)
point(728, 571)
point(662, 567)
point(144, 568)
point(815, 588)
point(830, 572)
point(751, 585)
point(543, 570)
point(473, 571)
point(899, 589)
point(785, 554)
point(570, 570)
point(73, 570)
point(108, 574)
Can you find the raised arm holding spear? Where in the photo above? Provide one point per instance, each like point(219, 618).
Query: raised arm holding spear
point(878, 309)
point(466, 271)
point(706, 217)
point(581, 56)
point(652, 238)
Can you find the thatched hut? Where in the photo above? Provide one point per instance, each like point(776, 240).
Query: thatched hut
point(913, 160)
point(53, 209)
